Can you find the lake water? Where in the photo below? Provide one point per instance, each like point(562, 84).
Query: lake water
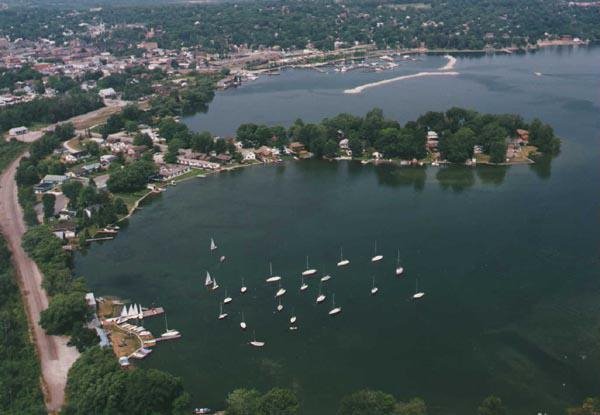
point(508, 257)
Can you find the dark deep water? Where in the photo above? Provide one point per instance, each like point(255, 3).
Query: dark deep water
point(508, 257)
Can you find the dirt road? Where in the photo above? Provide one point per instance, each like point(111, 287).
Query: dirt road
point(55, 356)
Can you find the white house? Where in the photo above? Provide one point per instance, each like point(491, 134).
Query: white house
point(13, 132)
point(248, 154)
point(107, 93)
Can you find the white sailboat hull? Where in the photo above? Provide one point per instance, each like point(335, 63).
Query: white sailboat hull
point(293, 320)
point(227, 300)
point(279, 307)
point(326, 278)
point(303, 287)
point(243, 289)
point(309, 272)
point(377, 258)
point(374, 290)
point(223, 316)
point(280, 292)
point(320, 299)
point(243, 325)
point(343, 263)
point(257, 344)
point(335, 311)
point(273, 279)
point(399, 270)
point(416, 296)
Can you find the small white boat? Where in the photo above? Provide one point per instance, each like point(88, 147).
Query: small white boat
point(293, 328)
point(243, 289)
point(213, 245)
point(343, 262)
point(418, 294)
point(334, 310)
point(256, 343)
point(304, 285)
point(399, 268)
point(222, 258)
point(215, 285)
point(325, 278)
point(293, 319)
point(227, 299)
point(169, 333)
point(222, 315)
point(281, 291)
point(321, 297)
point(279, 305)
point(208, 280)
point(271, 277)
point(374, 289)
point(537, 73)
point(377, 257)
point(308, 271)
point(243, 325)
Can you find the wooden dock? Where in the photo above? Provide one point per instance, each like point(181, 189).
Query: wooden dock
point(151, 312)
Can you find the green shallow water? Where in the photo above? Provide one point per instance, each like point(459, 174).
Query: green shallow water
point(508, 257)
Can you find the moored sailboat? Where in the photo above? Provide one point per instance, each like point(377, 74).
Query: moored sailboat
point(215, 285)
point(227, 299)
point(213, 245)
point(376, 257)
point(208, 280)
point(303, 285)
point(418, 294)
point(279, 305)
point(399, 268)
point(281, 291)
point(374, 289)
point(342, 262)
point(169, 333)
point(243, 325)
point(321, 296)
point(222, 315)
point(308, 271)
point(256, 343)
point(271, 277)
point(243, 289)
point(334, 310)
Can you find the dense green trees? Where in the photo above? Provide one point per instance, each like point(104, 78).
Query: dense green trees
point(295, 24)
point(64, 312)
point(48, 110)
point(97, 385)
point(542, 136)
point(492, 405)
point(374, 402)
point(277, 401)
point(48, 200)
point(19, 369)
point(131, 177)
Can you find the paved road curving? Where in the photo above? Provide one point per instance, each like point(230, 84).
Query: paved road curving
point(55, 356)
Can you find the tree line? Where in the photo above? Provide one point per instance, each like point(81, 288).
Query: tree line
point(48, 110)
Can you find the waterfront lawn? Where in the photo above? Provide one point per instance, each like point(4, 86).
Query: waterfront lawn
point(132, 197)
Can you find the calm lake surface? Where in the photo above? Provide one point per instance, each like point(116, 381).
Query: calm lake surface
point(508, 257)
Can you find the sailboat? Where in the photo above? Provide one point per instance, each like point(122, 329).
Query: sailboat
point(326, 277)
point(304, 285)
point(334, 310)
point(374, 289)
point(418, 294)
point(376, 257)
point(222, 258)
point(343, 262)
point(213, 245)
point(281, 291)
point(243, 325)
point(293, 318)
point(279, 305)
point(222, 315)
point(169, 333)
point(308, 271)
point(272, 278)
point(256, 343)
point(215, 285)
point(321, 296)
point(243, 289)
point(227, 299)
point(208, 281)
point(399, 268)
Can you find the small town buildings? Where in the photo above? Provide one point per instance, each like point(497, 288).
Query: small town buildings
point(55, 179)
point(522, 136)
point(109, 93)
point(64, 230)
point(248, 155)
point(201, 164)
point(264, 154)
point(106, 159)
point(17, 131)
point(432, 140)
point(297, 147)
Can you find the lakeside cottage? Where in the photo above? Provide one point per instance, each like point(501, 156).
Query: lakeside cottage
point(17, 131)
